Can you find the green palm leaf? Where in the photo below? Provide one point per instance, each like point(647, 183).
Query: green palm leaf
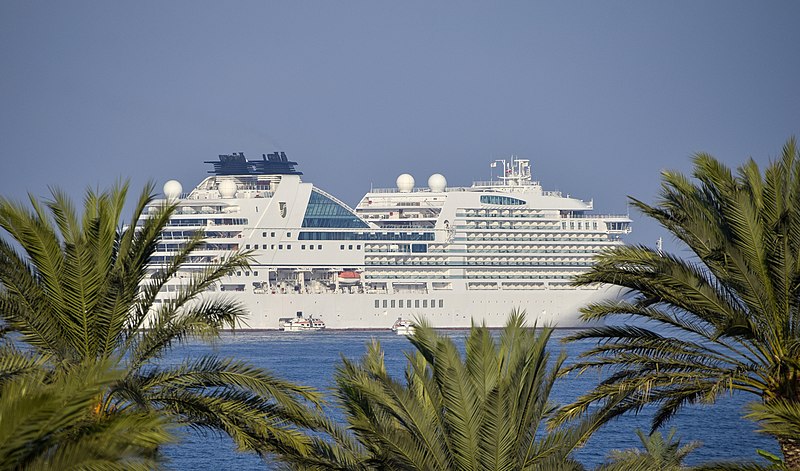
point(46, 422)
point(80, 289)
point(483, 410)
point(725, 318)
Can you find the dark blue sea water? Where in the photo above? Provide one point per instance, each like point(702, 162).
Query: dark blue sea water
point(311, 358)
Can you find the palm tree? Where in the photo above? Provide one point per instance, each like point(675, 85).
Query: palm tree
point(726, 318)
point(660, 453)
point(79, 290)
point(485, 411)
point(47, 420)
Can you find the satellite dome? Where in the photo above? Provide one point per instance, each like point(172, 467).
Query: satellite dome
point(405, 183)
point(227, 189)
point(437, 183)
point(173, 189)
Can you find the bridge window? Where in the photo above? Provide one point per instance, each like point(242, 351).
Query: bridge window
point(501, 200)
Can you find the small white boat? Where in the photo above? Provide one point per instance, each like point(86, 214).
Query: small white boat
point(403, 327)
point(302, 324)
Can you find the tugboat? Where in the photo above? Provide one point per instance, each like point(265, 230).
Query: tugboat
point(301, 324)
point(403, 327)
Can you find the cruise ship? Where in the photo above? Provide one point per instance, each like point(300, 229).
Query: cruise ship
point(450, 255)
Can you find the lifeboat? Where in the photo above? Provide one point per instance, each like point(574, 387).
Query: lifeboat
point(348, 277)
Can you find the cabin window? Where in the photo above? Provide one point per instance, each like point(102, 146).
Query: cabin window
point(358, 247)
point(310, 247)
point(416, 303)
point(288, 234)
point(377, 303)
point(255, 273)
point(393, 303)
point(384, 304)
point(272, 234)
point(341, 247)
point(349, 247)
point(433, 303)
point(319, 247)
point(247, 246)
point(238, 273)
point(401, 303)
point(272, 246)
point(280, 246)
point(263, 234)
point(424, 303)
point(441, 303)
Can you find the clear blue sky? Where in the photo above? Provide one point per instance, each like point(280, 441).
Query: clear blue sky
point(599, 95)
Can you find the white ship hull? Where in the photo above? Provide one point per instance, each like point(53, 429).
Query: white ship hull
point(546, 307)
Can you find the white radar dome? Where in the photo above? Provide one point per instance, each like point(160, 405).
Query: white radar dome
point(173, 189)
point(227, 189)
point(405, 183)
point(437, 183)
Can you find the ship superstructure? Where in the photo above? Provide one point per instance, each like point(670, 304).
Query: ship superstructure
point(450, 255)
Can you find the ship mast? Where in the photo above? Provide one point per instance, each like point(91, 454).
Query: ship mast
point(517, 172)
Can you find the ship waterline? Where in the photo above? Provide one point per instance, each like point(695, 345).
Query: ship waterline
point(451, 310)
point(451, 255)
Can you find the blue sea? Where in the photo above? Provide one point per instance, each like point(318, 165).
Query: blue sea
point(311, 359)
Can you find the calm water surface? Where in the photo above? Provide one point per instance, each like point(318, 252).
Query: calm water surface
point(311, 359)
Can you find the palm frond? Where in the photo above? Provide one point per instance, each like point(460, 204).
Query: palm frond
point(725, 318)
point(81, 289)
point(52, 423)
point(15, 363)
point(779, 418)
point(486, 409)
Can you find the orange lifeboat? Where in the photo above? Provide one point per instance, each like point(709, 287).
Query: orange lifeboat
point(348, 277)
